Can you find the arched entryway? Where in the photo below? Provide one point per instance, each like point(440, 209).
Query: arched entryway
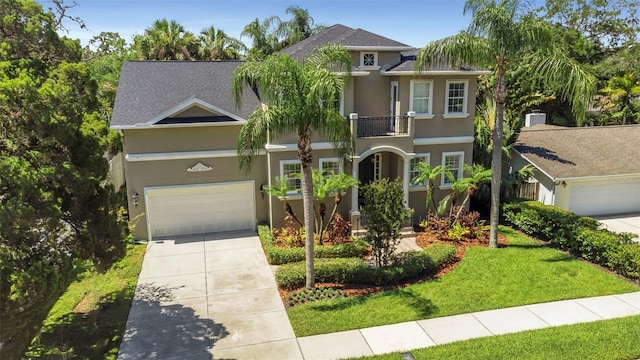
point(378, 163)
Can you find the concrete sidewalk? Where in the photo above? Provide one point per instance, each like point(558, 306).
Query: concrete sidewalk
point(424, 333)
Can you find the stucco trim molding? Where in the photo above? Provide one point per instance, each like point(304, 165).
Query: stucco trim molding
point(294, 147)
point(183, 155)
point(199, 167)
point(443, 140)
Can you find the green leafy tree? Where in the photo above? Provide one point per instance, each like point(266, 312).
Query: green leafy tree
point(620, 103)
point(497, 36)
point(298, 98)
point(166, 40)
point(215, 44)
point(386, 214)
point(611, 23)
point(55, 206)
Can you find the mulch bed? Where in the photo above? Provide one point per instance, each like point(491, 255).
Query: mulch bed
point(423, 239)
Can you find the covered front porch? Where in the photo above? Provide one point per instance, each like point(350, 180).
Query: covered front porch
point(375, 164)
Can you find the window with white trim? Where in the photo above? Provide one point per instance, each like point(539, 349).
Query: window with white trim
point(414, 172)
point(452, 162)
point(456, 102)
point(420, 99)
point(368, 58)
point(292, 169)
point(330, 166)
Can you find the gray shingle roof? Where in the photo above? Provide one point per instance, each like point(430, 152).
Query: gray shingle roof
point(148, 89)
point(344, 35)
point(563, 152)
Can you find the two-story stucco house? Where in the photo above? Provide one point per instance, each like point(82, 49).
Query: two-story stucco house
point(180, 128)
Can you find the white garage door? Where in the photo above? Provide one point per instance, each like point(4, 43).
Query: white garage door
point(608, 196)
point(185, 210)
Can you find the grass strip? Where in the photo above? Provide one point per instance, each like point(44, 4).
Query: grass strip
point(606, 339)
point(88, 320)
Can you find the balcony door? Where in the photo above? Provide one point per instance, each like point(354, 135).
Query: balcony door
point(393, 106)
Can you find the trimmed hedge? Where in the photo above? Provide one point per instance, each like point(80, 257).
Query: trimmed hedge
point(355, 271)
point(278, 256)
point(577, 234)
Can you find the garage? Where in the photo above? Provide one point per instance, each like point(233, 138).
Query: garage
point(605, 196)
point(199, 209)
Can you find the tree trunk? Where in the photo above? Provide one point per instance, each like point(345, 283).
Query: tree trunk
point(304, 154)
point(496, 155)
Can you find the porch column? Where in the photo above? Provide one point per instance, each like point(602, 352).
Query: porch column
point(354, 190)
point(411, 128)
point(405, 181)
point(353, 117)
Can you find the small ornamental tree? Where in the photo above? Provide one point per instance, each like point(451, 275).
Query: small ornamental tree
point(386, 214)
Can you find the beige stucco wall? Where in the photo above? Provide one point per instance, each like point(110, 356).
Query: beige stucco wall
point(154, 173)
point(296, 199)
point(181, 138)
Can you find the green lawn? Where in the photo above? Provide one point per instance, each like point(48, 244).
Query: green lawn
point(608, 339)
point(525, 272)
point(87, 321)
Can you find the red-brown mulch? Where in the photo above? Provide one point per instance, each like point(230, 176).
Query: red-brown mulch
point(423, 239)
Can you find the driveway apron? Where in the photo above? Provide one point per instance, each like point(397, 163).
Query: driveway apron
point(208, 296)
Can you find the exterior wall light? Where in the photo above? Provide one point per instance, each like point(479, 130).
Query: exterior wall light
point(135, 198)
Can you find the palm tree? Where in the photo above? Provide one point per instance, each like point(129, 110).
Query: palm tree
point(298, 98)
point(281, 190)
point(326, 185)
point(298, 28)
point(496, 38)
point(477, 176)
point(217, 45)
point(427, 174)
point(620, 103)
point(165, 40)
point(264, 40)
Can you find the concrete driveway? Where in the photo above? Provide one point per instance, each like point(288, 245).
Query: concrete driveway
point(207, 297)
point(622, 223)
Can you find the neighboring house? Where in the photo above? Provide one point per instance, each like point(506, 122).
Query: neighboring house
point(180, 129)
point(586, 170)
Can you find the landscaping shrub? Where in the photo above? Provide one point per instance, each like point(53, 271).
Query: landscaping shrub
point(577, 234)
point(386, 214)
point(305, 295)
point(282, 255)
point(355, 271)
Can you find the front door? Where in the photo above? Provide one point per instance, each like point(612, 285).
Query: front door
point(393, 106)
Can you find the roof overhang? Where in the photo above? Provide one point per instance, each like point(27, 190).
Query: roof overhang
point(161, 126)
point(379, 48)
point(189, 103)
point(435, 72)
point(572, 178)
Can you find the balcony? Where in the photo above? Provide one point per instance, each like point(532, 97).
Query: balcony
point(371, 126)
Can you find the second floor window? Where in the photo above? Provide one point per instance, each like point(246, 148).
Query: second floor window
point(456, 97)
point(420, 97)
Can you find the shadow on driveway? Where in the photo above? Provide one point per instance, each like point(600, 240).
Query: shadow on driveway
point(159, 329)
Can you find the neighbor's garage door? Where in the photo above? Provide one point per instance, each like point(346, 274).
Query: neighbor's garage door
point(184, 210)
point(608, 196)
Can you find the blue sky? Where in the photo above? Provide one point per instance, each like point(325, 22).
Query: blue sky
point(414, 22)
